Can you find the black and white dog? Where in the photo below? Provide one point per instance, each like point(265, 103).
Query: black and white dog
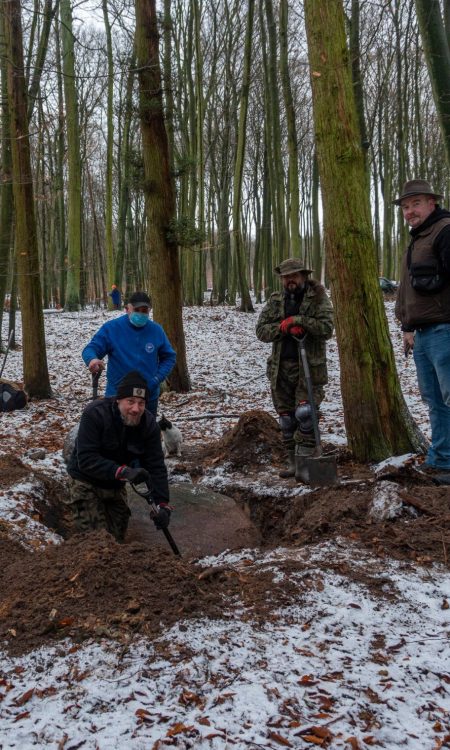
point(171, 436)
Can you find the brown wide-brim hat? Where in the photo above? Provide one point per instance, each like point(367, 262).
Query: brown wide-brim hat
point(417, 187)
point(291, 265)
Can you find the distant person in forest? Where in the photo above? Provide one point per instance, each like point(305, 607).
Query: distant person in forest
point(423, 308)
point(302, 308)
point(132, 342)
point(118, 441)
point(115, 297)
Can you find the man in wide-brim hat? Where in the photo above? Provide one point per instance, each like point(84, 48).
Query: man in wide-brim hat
point(423, 308)
point(302, 308)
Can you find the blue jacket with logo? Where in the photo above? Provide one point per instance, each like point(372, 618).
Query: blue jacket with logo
point(145, 349)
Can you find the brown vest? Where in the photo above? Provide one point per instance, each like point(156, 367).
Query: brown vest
point(412, 308)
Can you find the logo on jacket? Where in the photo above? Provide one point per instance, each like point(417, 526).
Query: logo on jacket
point(149, 347)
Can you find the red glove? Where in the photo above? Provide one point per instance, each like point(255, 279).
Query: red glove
point(286, 324)
point(297, 331)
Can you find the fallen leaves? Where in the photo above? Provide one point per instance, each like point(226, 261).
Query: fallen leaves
point(279, 739)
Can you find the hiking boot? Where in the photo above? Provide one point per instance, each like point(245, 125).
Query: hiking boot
point(289, 471)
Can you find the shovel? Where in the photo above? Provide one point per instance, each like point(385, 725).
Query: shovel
point(318, 470)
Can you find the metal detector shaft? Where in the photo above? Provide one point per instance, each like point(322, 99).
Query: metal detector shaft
point(7, 350)
point(154, 512)
point(309, 387)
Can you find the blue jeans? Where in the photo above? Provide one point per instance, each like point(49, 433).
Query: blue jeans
point(432, 358)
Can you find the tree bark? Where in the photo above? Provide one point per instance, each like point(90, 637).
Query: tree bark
point(437, 54)
point(72, 299)
point(35, 371)
point(165, 281)
point(377, 421)
point(238, 245)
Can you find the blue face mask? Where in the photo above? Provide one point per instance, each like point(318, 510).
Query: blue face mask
point(138, 319)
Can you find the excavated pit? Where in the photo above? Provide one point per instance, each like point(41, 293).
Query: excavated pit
point(88, 586)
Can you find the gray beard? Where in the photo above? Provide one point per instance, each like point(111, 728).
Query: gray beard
point(130, 421)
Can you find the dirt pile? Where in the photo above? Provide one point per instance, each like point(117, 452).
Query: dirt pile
point(255, 440)
point(420, 529)
point(92, 587)
point(12, 470)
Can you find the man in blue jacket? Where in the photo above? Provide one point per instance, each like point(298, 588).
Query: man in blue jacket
point(132, 342)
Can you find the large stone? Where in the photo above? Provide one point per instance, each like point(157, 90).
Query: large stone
point(202, 523)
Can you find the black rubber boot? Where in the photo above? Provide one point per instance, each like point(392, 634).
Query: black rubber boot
point(289, 471)
point(302, 453)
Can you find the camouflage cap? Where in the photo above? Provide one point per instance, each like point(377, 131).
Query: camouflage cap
point(291, 265)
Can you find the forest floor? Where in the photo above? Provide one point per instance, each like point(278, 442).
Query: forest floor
point(332, 631)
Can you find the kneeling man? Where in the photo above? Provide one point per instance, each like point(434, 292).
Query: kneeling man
point(118, 441)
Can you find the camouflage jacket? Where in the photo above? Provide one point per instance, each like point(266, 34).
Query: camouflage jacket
point(315, 316)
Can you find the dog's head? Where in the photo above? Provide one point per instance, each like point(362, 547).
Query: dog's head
point(164, 423)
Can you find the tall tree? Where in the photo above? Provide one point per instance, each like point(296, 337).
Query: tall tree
point(35, 371)
point(109, 150)
point(292, 141)
point(6, 194)
point(237, 244)
point(437, 54)
point(72, 299)
point(165, 280)
point(377, 421)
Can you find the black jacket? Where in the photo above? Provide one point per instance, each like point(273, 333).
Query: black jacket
point(104, 443)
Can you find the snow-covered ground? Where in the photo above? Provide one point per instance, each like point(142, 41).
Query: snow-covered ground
point(340, 667)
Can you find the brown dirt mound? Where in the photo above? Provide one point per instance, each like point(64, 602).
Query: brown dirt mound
point(12, 470)
point(255, 440)
point(421, 532)
point(92, 587)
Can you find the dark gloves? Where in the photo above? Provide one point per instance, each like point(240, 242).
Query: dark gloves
point(136, 476)
point(162, 518)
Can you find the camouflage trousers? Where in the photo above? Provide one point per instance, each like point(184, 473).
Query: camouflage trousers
point(98, 508)
point(290, 390)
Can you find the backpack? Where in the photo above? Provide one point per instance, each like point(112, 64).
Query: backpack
point(11, 397)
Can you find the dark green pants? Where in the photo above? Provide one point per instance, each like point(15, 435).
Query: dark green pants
point(290, 390)
point(97, 508)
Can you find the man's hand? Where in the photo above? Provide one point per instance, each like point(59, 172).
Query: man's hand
point(162, 518)
point(96, 365)
point(135, 476)
point(408, 342)
point(297, 331)
point(286, 324)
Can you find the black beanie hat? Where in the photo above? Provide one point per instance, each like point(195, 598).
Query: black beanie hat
point(139, 299)
point(132, 384)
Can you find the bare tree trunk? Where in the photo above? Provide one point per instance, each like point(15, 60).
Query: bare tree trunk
point(377, 421)
point(238, 245)
point(72, 300)
point(109, 153)
point(6, 193)
point(35, 372)
point(165, 281)
point(437, 54)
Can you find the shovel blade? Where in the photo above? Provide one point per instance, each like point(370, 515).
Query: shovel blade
point(322, 471)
